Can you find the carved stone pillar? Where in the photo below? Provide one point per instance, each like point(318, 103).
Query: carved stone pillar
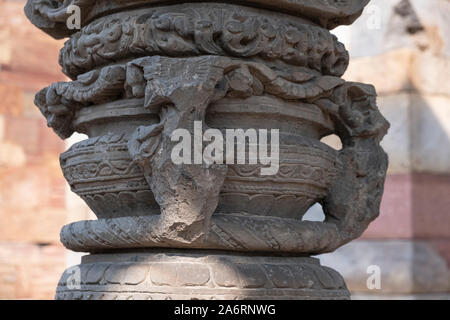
point(141, 69)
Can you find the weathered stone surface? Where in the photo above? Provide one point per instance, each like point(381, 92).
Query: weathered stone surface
point(52, 17)
point(210, 70)
point(166, 68)
point(126, 273)
point(221, 35)
point(197, 275)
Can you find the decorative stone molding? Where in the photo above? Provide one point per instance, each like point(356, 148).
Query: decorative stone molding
point(175, 275)
point(51, 16)
point(139, 74)
point(197, 29)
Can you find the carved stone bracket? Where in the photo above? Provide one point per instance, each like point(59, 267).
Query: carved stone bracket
point(358, 123)
point(201, 275)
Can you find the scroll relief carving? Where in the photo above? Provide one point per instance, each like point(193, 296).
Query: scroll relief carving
point(51, 15)
point(142, 72)
point(191, 31)
point(60, 101)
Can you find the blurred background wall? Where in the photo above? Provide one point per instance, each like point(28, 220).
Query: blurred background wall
point(34, 200)
point(402, 47)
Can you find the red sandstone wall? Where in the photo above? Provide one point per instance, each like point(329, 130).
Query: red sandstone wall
point(32, 188)
point(415, 206)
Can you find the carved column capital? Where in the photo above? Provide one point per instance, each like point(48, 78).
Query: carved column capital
point(142, 70)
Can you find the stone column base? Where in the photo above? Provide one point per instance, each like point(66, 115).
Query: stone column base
point(199, 275)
